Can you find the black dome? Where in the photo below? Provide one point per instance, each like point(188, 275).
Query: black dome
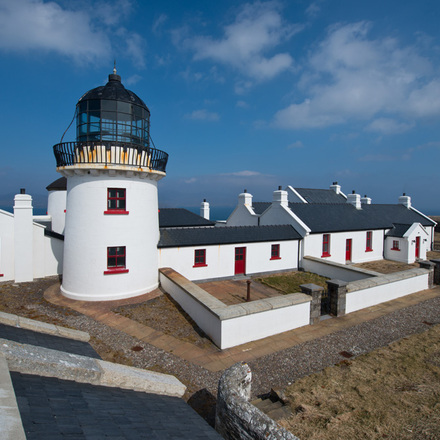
point(113, 90)
point(114, 114)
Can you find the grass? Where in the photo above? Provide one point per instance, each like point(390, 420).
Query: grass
point(391, 393)
point(290, 282)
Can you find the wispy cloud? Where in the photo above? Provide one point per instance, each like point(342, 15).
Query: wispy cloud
point(202, 115)
point(296, 144)
point(158, 23)
point(377, 158)
point(249, 43)
point(352, 76)
point(244, 173)
point(82, 33)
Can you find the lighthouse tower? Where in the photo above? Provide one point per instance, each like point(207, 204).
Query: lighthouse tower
point(112, 230)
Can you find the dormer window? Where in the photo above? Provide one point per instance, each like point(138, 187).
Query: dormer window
point(116, 201)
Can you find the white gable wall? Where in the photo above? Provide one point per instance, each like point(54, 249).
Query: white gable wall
point(282, 215)
point(220, 259)
point(313, 246)
point(7, 254)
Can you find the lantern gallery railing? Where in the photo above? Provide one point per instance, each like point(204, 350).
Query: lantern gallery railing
point(109, 153)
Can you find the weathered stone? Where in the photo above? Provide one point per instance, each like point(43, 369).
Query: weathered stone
point(337, 291)
point(429, 265)
point(236, 418)
point(436, 271)
point(315, 292)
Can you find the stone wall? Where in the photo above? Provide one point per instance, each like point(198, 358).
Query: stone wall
point(236, 418)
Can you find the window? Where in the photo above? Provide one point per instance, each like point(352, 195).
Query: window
point(369, 246)
point(200, 258)
point(116, 260)
point(275, 252)
point(326, 245)
point(116, 201)
point(395, 245)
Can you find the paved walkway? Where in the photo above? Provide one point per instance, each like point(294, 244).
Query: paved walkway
point(214, 359)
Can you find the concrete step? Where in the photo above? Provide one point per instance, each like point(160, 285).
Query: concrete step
point(280, 413)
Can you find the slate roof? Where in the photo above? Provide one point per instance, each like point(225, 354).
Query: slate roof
point(226, 235)
point(312, 195)
point(398, 230)
point(58, 185)
point(52, 408)
point(260, 207)
point(345, 217)
point(178, 217)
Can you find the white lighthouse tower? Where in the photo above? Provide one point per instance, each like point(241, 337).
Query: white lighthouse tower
point(111, 231)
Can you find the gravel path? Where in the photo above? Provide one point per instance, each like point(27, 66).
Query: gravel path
point(272, 371)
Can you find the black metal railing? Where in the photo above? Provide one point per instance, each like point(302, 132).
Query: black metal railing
point(110, 153)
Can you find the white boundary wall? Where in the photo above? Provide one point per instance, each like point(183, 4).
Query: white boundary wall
point(220, 259)
point(229, 326)
point(367, 293)
point(334, 270)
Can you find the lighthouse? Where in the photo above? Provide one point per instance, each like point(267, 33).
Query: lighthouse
point(111, 224)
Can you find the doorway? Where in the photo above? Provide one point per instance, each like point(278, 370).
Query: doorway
point(417, 247)
point(240, 261)
point(348, 249)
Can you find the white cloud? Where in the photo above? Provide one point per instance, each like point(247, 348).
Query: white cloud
point(133, 79)
point(158, 23)
point(388, 126)
point(244, 173)
point(296, 144)
point(246, 43)
point(351, 76)
point(203, 115)
point(242, 104)
point(83, 32)
point(377, 158)
point(313, 10)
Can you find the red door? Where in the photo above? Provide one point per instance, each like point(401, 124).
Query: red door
point(348, 249)
point(240, 260)
point(417, 247)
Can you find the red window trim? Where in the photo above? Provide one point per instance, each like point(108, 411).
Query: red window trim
point(369, 240)
point(395, 248)
point(201, 256)
point(116, 211)
point(2, 275)
point(325, 253)
point(114, 271)
point(277, 255)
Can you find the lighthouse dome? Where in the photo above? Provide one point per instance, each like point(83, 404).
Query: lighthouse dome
point(112, 113)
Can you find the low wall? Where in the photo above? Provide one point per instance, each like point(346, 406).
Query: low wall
point(334, 270)
point(235, 417)
point(229, 326)
point(369, 292)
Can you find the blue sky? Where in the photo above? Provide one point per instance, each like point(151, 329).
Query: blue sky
point(242, 94)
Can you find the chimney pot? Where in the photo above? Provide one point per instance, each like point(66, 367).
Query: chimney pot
point(22, 190)
point(245, 190)
point(353, 192)
point(279, 188)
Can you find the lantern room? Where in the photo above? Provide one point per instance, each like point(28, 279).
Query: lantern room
point(112, 113)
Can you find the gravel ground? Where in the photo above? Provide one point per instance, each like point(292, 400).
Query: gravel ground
point(273, 371)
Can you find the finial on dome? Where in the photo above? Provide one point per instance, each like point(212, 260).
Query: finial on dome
point(114, 67)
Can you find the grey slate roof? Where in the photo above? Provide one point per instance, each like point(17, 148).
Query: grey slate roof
point(260, 207)
point(58, 185)
point(177, 217)
point(226, 235)
point(398, 230)
point(345, 217)
point(312, 195)
point(52, 408)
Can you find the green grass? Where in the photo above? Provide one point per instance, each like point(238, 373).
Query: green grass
point(289, 283)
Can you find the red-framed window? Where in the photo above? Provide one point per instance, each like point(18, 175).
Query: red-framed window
point(200, 258)
point(116, 260)
point(369, 246)
point(326, 245)
point(116, 201)
point(396, 245)
point(275, 252)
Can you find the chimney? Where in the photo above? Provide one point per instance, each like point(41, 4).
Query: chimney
point(354, 199)
point(335, 187)
point(405, 200)
point(204, 209)
point(365, 200)
point(245, 198)
point(280, 197)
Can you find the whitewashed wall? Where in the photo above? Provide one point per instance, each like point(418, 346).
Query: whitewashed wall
point(313, 246)
point(56, 208)
point(359, 298)
point(229, 326)
point(278, 214)
point(333, 270)
point(220, 259)
point(402, 255)
point(7, 254)
point(89, 232)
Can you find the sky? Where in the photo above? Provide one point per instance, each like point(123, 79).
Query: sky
point(242, 94)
